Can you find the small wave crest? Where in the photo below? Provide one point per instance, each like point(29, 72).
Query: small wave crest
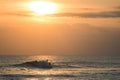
point(36, 76)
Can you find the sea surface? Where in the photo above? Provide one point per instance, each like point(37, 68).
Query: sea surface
point(64, 68)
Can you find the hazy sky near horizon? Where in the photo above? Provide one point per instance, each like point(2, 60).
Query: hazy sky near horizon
point(77, 27)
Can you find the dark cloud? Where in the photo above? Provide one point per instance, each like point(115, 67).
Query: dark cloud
point(109, 14)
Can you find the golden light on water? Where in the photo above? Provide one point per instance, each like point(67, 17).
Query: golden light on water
point(42, 7)
point(49, 58)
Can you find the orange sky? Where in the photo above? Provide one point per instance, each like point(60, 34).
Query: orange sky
point(78, 27)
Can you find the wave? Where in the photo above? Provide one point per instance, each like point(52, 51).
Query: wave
point(86, 64)
point(33, 64)
point(36, 64)
point(79, 64)
point(36, 76)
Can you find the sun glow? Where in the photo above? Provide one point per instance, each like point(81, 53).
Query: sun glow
point(42, 8)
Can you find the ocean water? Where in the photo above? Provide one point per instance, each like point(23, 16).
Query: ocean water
point(64, 68)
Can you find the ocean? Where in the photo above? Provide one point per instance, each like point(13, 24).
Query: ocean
point(64, 68)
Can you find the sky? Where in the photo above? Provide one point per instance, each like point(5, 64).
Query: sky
point(77, 27)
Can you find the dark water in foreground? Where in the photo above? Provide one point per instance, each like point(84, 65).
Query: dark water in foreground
point(64, 68)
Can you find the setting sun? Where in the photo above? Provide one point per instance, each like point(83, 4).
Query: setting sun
point(42, 8)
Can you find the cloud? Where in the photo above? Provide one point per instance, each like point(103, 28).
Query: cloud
point(109, 14)
point(18, 13)
point(100, 14)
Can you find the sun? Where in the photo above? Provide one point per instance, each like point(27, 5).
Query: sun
point(42, 8)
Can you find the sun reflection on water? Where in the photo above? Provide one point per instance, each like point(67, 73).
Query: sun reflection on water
point(49, 58)
point(31, 79)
